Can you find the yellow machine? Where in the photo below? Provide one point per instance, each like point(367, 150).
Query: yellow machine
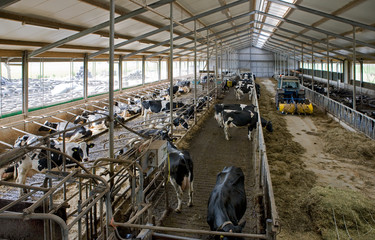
point(290, 98)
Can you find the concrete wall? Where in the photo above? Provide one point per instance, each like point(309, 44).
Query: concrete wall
point(260, 62)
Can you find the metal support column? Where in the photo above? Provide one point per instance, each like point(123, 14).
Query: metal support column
point(361, 75)
point(143, 70)
point(321, 68)
point(288, 67)
point(294, 60)
point(195, 71)
point(171, 68)
point(180, 68)
point(354, 71)
point(159, 69)
point(313, 66)
point(25, 83)
point(86, 76)
point(327, 66)
point(207, 64)
point(303, 67)
point(216, 68)
point(111, 79)
point(120, 73)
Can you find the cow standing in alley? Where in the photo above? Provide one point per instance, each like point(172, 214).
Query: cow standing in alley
point(227, 202)
point(181, 176)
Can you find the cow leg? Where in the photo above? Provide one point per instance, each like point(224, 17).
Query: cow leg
point(226, 132)
point(21, 178)
point(178, 190)
point(191, 190)
point(249, 133)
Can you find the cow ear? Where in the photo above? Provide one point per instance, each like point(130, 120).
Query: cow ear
point(75, 149)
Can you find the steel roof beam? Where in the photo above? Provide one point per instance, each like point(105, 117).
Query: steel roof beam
point(315, 29)
point(314, 39)
point(190, 19)
point(97, 27)
point(323, 14)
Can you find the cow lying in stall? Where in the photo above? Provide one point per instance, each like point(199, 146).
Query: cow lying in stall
point(220, 108)
point(37, 160)
point(74, 135)
point(156, 106)
point(227, 202)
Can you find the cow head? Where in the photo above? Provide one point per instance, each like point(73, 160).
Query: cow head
point(25, 140)
point(269, 126)
point(180, 121)
point(233, 229)
point(82, 150)
point(50, 125)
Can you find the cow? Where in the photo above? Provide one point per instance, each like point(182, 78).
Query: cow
point(156, 106)
point(73, 135)
point(239, 119)
point(227, 202)
point(184, 86)
point(183, 116)
point(219, 108)
point(37, 160)
point(242, 89)
point(180, 173)
point(257, 90)
point(92, 117)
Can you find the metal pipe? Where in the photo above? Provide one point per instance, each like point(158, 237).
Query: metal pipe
point(121, 58)
point(85, 77)
point(195, 71)
point(216, 68)
point(327, 66)
point(25, 83)
point(47, 216)
point(354, 71)
point(111, 84)
point(303, 69)
point(171, 68)
point(313, 66)
point(193, 231)
point(208, 62)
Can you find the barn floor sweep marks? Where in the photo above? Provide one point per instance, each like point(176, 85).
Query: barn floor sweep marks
point(290, 98)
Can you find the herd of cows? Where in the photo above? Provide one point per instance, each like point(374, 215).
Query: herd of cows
point(224, 210)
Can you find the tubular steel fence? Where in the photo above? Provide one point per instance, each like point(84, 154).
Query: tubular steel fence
point(355, 119)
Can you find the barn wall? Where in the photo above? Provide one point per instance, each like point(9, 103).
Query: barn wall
point(261, 62)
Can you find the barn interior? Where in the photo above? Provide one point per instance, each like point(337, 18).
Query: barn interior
point(60, 60)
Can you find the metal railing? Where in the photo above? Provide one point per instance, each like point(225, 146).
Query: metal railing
point(264, 182)
point(354, 119)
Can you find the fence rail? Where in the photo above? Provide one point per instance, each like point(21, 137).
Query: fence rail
point(355, 119)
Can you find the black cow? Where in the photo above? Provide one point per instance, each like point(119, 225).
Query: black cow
point(77, 134)
point(257, 89)
point(227, 202)
point(175, 90)
point(156, 106)
point(239, 119)
point(180, 173)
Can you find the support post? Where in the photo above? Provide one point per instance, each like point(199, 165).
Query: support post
point(111, 78)
point(195, 71)
point(303, 67)
point(159, 69)
point(25, 83)
point(354, 71)
point(207, 64)
point(143, 70)
point(216, 68)
point(327, 66)
point(313, 66)
point(171, 68)
point(86, 77)
point(120, 73)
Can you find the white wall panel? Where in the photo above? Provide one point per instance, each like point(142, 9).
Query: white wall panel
point(260, 62)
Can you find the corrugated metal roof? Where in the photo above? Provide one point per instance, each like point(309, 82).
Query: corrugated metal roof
point(37, 22)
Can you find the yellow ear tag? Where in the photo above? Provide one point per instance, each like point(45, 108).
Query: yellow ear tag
point(50, 130)
point(221, 237)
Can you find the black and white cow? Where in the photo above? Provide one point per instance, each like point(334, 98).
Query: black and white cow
point(88, 116)
point(239, 119)
point(227, 202)
point(74, 135)
point(37, 160)
point(183, 116)
point(180, 173)
point(242, 89)
point(156, 106)
point(219, 108)
point(183, 86)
